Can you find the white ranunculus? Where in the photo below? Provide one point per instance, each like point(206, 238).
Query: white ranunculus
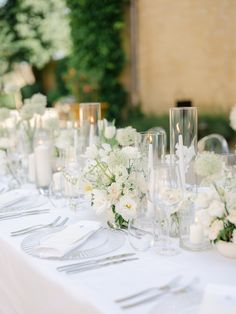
point(232, 217)
point(208, 164)
point(204, 218)
point(203, 200)
point(215, 228)
point(216, 209)
point(114, 192)
point(234, 236)
point(131, 152)
point(232, 118)
point(100, 202)
point(126, 207)
point(110, 132)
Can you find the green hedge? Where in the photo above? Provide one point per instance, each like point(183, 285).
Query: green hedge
point(97, 54)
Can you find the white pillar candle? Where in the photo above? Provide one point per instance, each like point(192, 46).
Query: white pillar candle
point(91, 132)
point(43, 169)
point(196, 233)
point(181, 160)
point(31, 168)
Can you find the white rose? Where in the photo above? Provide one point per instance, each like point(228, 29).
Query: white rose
point(110, 132)
point(202, 200)
point(215, 228)
point(126, 207)
point(234, 236)
point(232, 217)
point(216, 208)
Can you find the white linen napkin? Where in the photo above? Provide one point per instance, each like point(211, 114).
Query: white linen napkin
point(60, 243)
point(12, 197)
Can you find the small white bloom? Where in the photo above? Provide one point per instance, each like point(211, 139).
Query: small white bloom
point(100, 202)
point(117, 158)
point(114, 192)
point(215, 228)
point(110, 132)
point(131, 152)
point(232, 217)
point(216, 209)
point(126, 207)
point(40, 103)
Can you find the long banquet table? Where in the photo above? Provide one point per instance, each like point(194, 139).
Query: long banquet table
point(30, 285)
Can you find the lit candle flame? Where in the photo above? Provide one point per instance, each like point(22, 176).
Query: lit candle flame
point(91, 120)
point(150, 139)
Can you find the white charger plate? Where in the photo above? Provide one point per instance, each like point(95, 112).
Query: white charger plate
point(101, 242)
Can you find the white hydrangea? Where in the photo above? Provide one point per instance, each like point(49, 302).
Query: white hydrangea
point(117, 158)
point(208, 165)
point(232, 118)
point(127, 136)
point(216, 209)
point(131, 152)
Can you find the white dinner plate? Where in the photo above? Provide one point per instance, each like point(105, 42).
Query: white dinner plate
point(102, 242)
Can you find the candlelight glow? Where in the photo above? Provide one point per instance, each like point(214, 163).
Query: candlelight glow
point(92, 120)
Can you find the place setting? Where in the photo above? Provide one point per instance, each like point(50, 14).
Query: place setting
point(117, 157)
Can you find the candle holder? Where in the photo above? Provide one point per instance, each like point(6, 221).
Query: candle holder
point(90, 113)
point(183, 142)
point(43, 161)
point(191, 233)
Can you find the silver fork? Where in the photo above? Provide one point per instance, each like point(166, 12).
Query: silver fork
point(172, 288)
point(159, 289)
point(38, 227)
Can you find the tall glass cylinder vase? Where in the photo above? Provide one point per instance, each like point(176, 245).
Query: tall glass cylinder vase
point(183, 141)
point(90, 113)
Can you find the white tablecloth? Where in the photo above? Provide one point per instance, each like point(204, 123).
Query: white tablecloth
point(32, 286)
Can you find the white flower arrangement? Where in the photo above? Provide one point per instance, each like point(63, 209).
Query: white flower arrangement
point(113, 179)
point(216, 207)
point(33, 107)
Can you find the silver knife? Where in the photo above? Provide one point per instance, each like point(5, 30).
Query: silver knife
point(92, 267)
point(28, 213)
point(96, 261)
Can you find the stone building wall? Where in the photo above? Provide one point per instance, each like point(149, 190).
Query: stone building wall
point(186, 50)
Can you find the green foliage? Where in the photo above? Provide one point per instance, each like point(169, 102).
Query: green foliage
point(33, 31)
point(98, 56)
point(207, 123)
point(227, 233)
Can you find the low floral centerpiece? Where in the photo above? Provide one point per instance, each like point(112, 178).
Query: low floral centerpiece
point(114, 180)
point(216, 204)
